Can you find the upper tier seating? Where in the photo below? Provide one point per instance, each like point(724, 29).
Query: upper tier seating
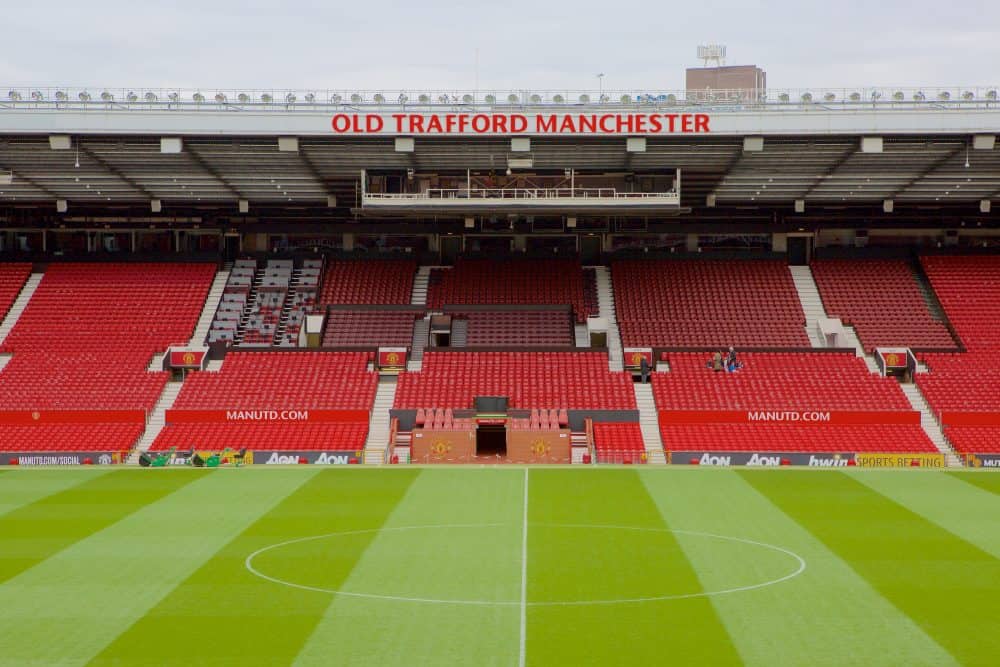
point(90, 331)
point(12, 278)
point(776, 381)
point(783, 381)
point(381, 281)
point(882, 300)
point(700, 303)
point(520, 281)
point(570, 380)
point(618, 442)
point(968, 287)
point(522, 328)
point(370, 328)
point(283, 380)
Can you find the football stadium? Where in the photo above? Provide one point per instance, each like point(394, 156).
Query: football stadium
point(500, 376)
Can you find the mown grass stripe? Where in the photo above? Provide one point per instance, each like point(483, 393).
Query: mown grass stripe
point(949, 587)
point(606, 563)
point(966, 510)
point(70, 607)
point(34, 532)
point(470, 563)
point(989, 481)
point(223, 614)
point(828, 615)
point(24, 486)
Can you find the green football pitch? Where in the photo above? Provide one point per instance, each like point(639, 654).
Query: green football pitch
point(499, 566)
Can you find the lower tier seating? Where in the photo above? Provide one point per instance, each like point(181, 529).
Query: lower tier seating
point(569, 380)
point(69, 437)
point(960, 383)
point(974, 439)
point(776, 381)
point(268, 436)
point(795, 438)
point(618, 442)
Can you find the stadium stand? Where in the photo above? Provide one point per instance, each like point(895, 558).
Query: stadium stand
point(379, 281)
point(882, 300)
point(12, 279)
point(968, 288)
point(519, 328)
point(520, 281)
point(277, 381)
point(778, 382)
point(368, 328)
point(87, 336)
point(696, 303)
point(565, 380)
point(618, 442)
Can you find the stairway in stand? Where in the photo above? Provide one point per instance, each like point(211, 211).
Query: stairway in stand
point(812, 303)
point(930, 425)
point(649, 423)
point(606, 310)
point(208, 311)
point(30, 285)
point(377, 450)
point(157, 420)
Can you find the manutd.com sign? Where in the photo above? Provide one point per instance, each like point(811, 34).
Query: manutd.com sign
point(517, 123)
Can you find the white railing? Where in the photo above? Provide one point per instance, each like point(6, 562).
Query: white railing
point(518, 193)
point(214, 99)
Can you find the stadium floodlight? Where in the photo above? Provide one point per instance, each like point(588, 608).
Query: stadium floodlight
point(220, 98)
point(132, 97)
point(491, 99)
point(512, 98)
point(356, 99)
point(174, 97)
point(290, 98)
point(84, 96)
point(854, 97)
point(558, 99)
point(150, 97)
point(310, 97)
point(944, 96)
point(898, 96)
point(336, 98)
point(919, 96)
point(968, 96)
point(61, 96)
point(991, 94)
point(266, 98)
point(379, 98)
point(424, 98)
point(37, 96)
point(829, 97)
point(807, 97)
point(784, 97)
point(467, 99)
point(243, 98)
point(536, 99)
point(107, 97)
point(14, 96)
point(584, 99)
point(198, 97)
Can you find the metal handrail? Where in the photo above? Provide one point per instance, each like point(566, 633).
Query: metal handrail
point(519, 193)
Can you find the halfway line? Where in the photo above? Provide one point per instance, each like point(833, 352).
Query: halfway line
point(524, 572)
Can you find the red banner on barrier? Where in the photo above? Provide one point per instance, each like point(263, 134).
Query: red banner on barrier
point(811, 417)
point(265, 416)
point(970, 418)
point(634, 355)
point(391, 357)
point(186, 358)
point(72, 417)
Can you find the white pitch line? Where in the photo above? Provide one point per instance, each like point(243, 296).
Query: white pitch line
point(524, 573)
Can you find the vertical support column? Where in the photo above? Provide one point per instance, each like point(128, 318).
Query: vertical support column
point(692, 243)
point(348, 241)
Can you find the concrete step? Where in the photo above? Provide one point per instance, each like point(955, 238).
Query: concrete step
point(648, 419)
point(930, 424)
point(208, 309)
point(377, 444)
point(157, 419)
point(20, 303)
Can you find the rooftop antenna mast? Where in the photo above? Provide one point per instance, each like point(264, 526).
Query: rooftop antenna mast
point(712, 53)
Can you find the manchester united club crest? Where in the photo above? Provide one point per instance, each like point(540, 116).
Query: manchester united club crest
point(637, 358)
point(36, 415)
point(392, 358)
point(540, 448)
point(189, 358)
point(440, 448)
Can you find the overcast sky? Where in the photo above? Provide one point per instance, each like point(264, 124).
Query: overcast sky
point(533, 44)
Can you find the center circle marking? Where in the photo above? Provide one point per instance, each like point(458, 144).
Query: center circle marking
point(801, 567)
